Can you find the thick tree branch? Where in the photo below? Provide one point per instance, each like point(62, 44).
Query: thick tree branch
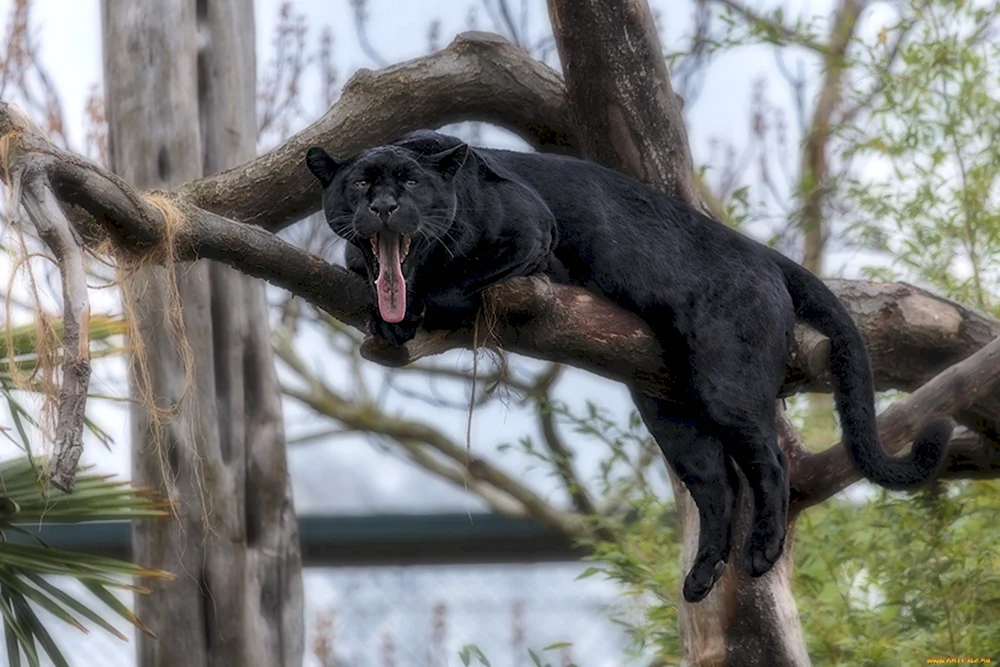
point(970, 456)
point(627, 116)
point(478, 77)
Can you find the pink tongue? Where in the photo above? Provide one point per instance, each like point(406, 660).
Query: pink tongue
point(390, 285)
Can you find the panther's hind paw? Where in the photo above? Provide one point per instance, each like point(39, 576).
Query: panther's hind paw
point(760, 558)
point(701, 579)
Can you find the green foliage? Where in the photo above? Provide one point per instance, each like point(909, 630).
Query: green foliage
point(901, 578)
point(26, 501)
point(645, 561)
point(471, 651)
point(931, 145)
point(887, 581)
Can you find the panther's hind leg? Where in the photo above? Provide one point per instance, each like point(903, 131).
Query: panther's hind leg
point(738, 366)
point(755, 449)
point(738, 407)
point(700, 462)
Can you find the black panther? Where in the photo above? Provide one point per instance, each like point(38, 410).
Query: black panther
point(431, 222)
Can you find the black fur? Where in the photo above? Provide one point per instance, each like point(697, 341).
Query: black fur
point(722, 305)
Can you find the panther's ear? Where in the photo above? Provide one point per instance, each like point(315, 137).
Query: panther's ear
point(450, 161)
point(321, 165)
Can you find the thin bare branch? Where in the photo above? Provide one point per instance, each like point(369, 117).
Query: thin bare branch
point(57, 233)
point(815, 161)
point(483, 478)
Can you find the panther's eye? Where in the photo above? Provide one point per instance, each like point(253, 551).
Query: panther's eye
point(361, 185)
point(409, 184)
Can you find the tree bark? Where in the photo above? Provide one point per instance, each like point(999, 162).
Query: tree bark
point(175, 114)
point(625, 112)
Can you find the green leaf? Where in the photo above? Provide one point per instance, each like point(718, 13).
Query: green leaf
point(470, 651)
point(76, 605)
point(589, 572)
point(14, 624)
point(38, 630)
point(13, 650)
point(13, 583)
point(552, 647)
point(117, 606)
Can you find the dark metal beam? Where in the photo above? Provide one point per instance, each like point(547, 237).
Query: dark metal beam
point(378, 539)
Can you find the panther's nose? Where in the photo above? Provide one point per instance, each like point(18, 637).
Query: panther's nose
point(383, 208)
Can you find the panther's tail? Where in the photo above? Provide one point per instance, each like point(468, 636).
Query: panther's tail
point(854, 388)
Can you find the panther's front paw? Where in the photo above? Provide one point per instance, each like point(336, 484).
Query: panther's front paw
point(396, 333)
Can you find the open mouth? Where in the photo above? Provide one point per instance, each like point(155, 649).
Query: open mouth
point(390, 249)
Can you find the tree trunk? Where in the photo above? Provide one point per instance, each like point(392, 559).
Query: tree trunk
point(629, 119)
point(176, 113)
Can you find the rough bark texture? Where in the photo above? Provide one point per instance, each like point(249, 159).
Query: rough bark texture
point(257, 516)
point(624, 110)
point(55, 230)
point(174, 114)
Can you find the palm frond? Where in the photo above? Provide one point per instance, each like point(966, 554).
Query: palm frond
point(26, 501)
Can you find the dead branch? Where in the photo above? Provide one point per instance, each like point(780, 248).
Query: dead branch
point(57, 233)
